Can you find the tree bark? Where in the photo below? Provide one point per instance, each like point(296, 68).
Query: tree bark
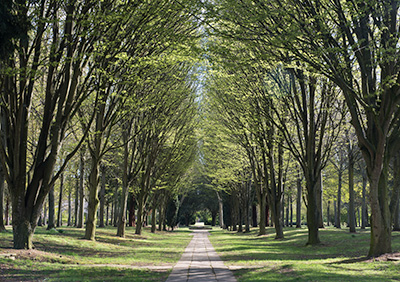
point(381, 227)
point(132, 203)
point(107, 213)
point(364, 214)
point(51, 222)
point(395, 195)
point(2, 227)
point(254, 215)
point(140, 211)
point(319, 201)
point(125, 184)
point(153, 219)
point(115, 210)
point(312, 209)
point(298, 200)
point(352, 219)
point(81, 189)
point(328, 212)
point(287, 214)
point(291, 210)
point(59, 213)
point(69, 223)
point(93, 199)
point(76, 201)
point(221, 210)
point(339, 201)
point(7, 214)
point(102, 195)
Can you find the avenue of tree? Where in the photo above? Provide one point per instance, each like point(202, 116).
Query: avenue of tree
point(133, 113)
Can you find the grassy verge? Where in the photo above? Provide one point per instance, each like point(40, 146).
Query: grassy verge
point(341, 256)
point(67, 257)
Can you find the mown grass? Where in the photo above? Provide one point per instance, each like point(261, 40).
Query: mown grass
point(340, 257)
point(67, 257)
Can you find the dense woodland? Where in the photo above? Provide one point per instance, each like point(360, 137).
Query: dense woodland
point(238, 113)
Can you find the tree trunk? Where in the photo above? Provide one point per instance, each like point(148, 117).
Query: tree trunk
point(69, 223)
point(7, 215)
point(287, 211)
point(2, 227)
point(283, 213)
point(364, 214)
point(339, 201)
point(298, 201)
point(112, 213)
point(153, 220)
point(275, 191)
point(395, 195)
point(234, 211)
point(93, 200)
point(381, 227)
point(132, 210)
point(22, 232)
point(23, 228)
point(76, 204)
point(102, 195)
point(51, 222)
point(45, 213)
point(81, 189)
point(161, 212)
point(246, 206)
point(139, 223)
point(352, 219)
point(240, 219)
point(125, 191)
point(214, 219)
point(319, 201)
point(328, 213)
point(291, 210)
point(254, 215)
point(59, 214)
point(116, 208)
point(221, 210)
point(107, 213)
point(312, 211)
point(262, 202)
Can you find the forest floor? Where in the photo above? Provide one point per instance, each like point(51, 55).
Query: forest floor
point(65, 256)
point(340, 257)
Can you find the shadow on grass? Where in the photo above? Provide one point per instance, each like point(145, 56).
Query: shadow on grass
point(336, 243)
point(164, 247)
point(85, 274)
point(288, 272)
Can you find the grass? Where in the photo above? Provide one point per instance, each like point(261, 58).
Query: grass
point(67, 257)
point(340, 257)
point(149, 257)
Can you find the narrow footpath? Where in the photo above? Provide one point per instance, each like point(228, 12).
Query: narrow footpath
point(200, 263)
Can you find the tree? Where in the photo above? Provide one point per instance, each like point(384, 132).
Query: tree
point(354, 44)
point(56, 49)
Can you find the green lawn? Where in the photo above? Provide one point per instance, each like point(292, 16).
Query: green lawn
point(66, 257)
point(340, 257)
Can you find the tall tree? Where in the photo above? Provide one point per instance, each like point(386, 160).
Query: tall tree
point(56, 49)
point(354, 44)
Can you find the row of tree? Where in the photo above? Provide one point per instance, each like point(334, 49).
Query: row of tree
point(91, 85)
point(285, 76)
